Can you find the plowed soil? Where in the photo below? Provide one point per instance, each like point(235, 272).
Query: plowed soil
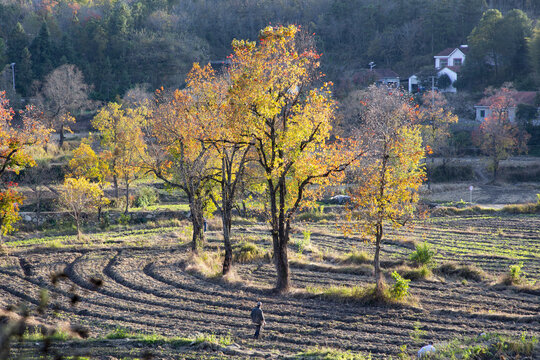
point(146, 289)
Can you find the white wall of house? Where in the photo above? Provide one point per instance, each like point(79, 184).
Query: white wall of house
point(483, 112)
point(389, 81)
point(453, 77)
point(456, 58)
point(413, 80)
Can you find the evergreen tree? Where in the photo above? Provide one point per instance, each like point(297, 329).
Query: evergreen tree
point(23, 73)
point(3, 57)
point(42, 53)
point(534, 51)
point(17, 42)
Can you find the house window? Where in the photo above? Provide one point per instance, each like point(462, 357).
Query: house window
point(482, 114)
point(444, 62)
point(457, 62)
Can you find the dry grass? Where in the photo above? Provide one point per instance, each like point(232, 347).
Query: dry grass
point(207, 264)
point(530, 208)
point(247, 252)
point(415, 273)
point(359, 294)
point(356, 257)
point(214, 224)
point(364, 269)
point(468, 272)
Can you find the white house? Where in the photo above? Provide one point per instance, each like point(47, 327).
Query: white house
point(449, 62)
point(521, 97)
point(451, 57)
point(414, 82)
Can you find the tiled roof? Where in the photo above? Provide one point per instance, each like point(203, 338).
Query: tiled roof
point(369, 76)
point(521, 97)
point(385, 73)
point(448, 51)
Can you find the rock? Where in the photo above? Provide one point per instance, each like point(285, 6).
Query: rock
point(27, 218)
point(426, 351)
point(340, 199)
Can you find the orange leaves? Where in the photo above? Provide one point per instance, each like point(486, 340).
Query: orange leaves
point(14, 156)
point(10, 200)
point(392, 170)
point(15, 142)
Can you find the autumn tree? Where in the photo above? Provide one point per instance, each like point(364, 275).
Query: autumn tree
point(231, 142)
point(435, 118)
point(177, 152)
point(79, 195)
point(94, 167)
point(63, 93)
point(14, 156)
point(289, 120)
point(391, 173)
point(497, 137)
point(122, 139)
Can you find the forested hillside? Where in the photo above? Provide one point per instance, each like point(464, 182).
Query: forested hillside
point(118, 44)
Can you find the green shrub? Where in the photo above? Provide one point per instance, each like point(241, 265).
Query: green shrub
point(124, 219)
point(515, 275)
point(147, 196)
point(423, 255)
point(120, 333)
point(400, 289)
point(304, 243)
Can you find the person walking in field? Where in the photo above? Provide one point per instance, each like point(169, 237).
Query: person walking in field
point(257, 317)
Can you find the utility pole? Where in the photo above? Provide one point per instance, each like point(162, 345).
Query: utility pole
point(432, 91)
point(13, 74)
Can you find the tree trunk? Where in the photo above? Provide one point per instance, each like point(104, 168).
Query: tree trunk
point(282, 264)
point(377, 263)
point(61, 140)
point(280, 235)
point(78, 223)
point(127, 199)
point(226, 219)
point(38, 205)
point(495, 169)
point(197, 220)
point(115, 184)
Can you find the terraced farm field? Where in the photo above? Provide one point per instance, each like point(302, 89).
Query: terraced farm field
point(147, 289)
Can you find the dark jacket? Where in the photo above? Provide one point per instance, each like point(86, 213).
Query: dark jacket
point(257, 315)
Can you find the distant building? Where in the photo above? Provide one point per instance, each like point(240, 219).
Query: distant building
point(449, 62)
point(367, 77)
point(220, 65)
point(414, 84)
point(521, 97)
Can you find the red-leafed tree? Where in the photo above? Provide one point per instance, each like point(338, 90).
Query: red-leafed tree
point(14, 156)
point(497, 137)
